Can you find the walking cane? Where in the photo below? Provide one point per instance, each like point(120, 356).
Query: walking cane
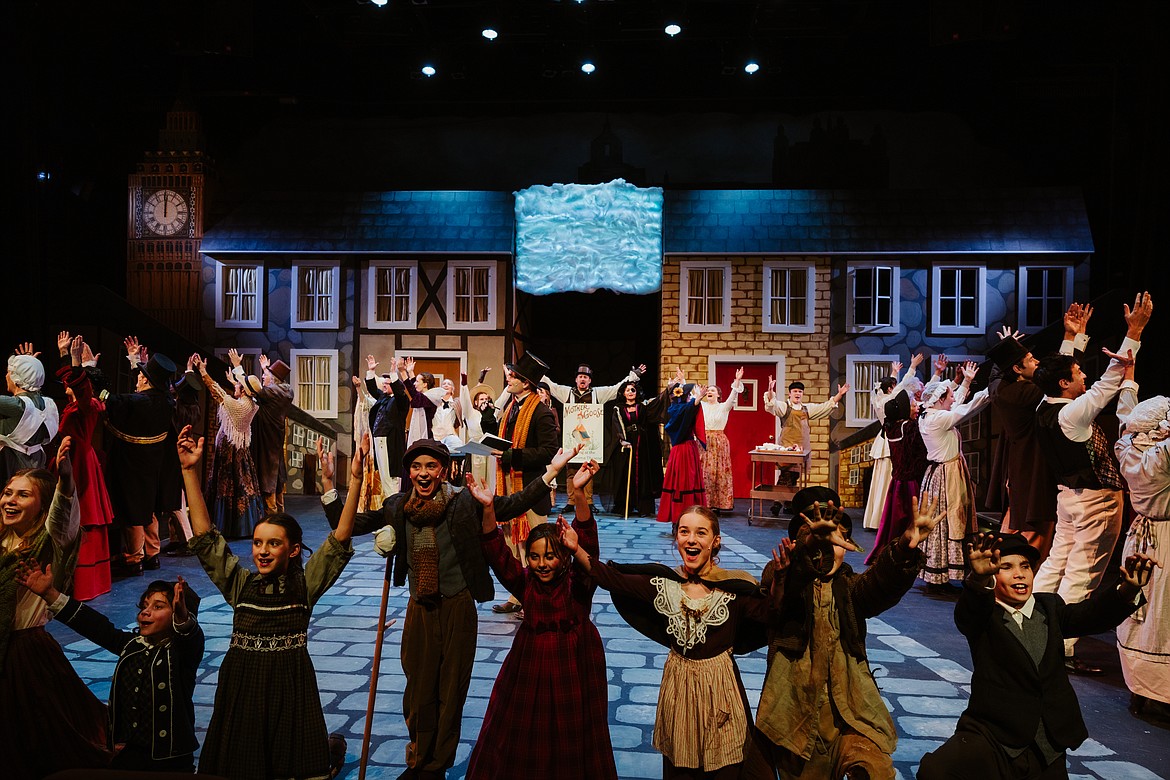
point(629, 473)
point(382, 627)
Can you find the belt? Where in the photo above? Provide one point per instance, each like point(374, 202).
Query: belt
point(270, 644)
point(135, 439)
point(564, 625)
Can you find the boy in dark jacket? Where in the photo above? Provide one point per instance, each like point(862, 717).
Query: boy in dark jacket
point(152, 715)
point(1023, 714)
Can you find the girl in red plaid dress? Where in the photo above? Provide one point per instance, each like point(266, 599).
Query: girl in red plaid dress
point(552, 688)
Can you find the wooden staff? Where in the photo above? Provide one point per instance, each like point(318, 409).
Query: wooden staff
point(629, 473)
point(382, 626)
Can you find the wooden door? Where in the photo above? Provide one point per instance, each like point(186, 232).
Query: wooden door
point(748, 425)
point(442, 368)
point(310, 474)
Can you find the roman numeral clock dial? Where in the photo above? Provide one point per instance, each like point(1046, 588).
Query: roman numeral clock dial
point(165, 212)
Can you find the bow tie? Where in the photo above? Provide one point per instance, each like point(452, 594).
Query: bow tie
point(446, 404)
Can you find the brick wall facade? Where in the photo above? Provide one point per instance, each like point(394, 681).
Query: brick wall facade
point(806, 354)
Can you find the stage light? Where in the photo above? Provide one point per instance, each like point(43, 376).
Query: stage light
point(428, 70)
point(587, 68)
point(490, 34)
point(672, 29)
point(44, 176)
point(751, 67)
point(380, 3)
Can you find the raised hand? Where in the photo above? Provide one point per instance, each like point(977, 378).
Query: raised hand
point(87, 355)
point(479, 490)
point(641, 369)
point(926, 517)
point(1136, 573)
point(916, 361)
point(180, 614)
point(235, 357)
point(133, 348)
point(1137, 317)
point(358, 464)
point(940, 364)
point(896, 367)
point(562, 458)
point(409, 363)
point(969, 371)
point(76, 348)
point(32, 576)
point(567, 534)
point(190, 449)
point(27, 349)
point(782, 555)
point(1126, 360)
point(371, 363)
point(63, 342)
point(585, 472)
point(199, 363)
point(1006, 332)
point(325, 458)
point(841, 391)
point(771, 385)
point(357, 383)
point(65, 465)
point(739, 373)
point(264, 362)
point(983, 554)
point(825, 525)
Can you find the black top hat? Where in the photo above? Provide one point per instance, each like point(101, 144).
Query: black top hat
point(436, 449)
point(1015, 544)
point(1007, 353)
point(584, 369)
point(159, 371)
point(898, 407)
point(530, 368)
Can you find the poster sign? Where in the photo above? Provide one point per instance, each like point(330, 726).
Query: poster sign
point(584, 423)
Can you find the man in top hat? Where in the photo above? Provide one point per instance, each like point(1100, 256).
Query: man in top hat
point(532, 428)
point(583, 392)
point(1031, 487)
point(1090, 498)
point(795, 416)
point(28, 420)
point(139, 427)
point(820, 710)
point(1023, 714)
point(273, 400)
point(431, 536)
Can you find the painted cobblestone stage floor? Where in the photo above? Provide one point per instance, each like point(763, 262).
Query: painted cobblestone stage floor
point(921, 662)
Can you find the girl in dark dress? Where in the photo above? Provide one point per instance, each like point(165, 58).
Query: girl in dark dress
point(267, 720)
point(908, 464)
point(551, 689)
point(634, 432)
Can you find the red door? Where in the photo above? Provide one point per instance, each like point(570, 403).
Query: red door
point(749, 424)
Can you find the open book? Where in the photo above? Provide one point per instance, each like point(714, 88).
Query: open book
point(485, 446)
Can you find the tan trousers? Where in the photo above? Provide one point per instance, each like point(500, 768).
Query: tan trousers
point(438, 651)
point(139, 541)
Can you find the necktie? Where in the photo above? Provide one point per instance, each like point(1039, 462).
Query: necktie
point(1018, 616)
point(510, 424)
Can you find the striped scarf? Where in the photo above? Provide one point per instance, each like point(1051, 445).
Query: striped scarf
point(516, 476)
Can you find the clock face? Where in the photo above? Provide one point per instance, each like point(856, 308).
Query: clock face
point(165, 212)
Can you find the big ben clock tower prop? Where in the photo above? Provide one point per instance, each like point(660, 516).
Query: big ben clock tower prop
point(165, 226)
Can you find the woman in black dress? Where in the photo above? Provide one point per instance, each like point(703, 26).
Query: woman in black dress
point(636, 440)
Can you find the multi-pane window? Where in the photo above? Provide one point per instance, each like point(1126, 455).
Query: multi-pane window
point(314, 380)
point(872, 297)
point(789, 292)
point(863, 372)
point(704, 297)
point(391, 294)
point(958, 305)
point(296, 459)
point(1045, 292)
point(316, 297)
point(471, 295)
point(239, 295)
point(298, 435)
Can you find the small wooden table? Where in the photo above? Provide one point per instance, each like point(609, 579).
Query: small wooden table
point(761, 493)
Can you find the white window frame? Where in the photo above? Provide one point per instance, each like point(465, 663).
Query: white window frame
point(371, 295)
point(684, 284)
point(294, 357)
point(453, 267)
point(852, 419)
point(1022, 289)
point(334, 266)
point(851, 269)
point(808, 325)
point(253, 352)
point(221, 321)
point(296, 459)
point(298, 435)
point(939, 327)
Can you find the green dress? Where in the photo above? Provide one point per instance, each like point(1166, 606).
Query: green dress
point(267, 721)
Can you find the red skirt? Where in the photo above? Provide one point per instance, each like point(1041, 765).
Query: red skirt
point(70, 727)
point(682, 486)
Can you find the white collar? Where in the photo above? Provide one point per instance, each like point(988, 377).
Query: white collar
point(1027, 609)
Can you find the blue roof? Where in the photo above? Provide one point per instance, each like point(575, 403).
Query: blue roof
point(875, 221)
point(350, 222)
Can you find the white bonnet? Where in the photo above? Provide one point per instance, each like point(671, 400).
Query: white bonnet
point(27, 372)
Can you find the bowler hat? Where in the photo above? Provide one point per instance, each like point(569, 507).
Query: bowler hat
point(1015, 544)
point(436, 449)
point(585, 369)
point(1007, 353)
point(159, 370)
point(280, 370)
